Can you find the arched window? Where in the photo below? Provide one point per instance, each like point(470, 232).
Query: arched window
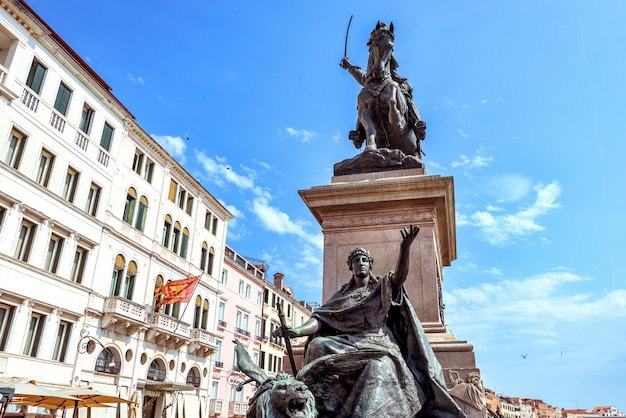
point(205, 314)
point(211, 258)
point(118, 274)
point(167, 231)
point(129, 208)
point(175, 237)
point(197, 312)
point(140, 222)
point(129, 283)
point(204, 255)
point(156, 371)
point(108, 361)
point(184, 243)
point(193, 377)
point(157, 284)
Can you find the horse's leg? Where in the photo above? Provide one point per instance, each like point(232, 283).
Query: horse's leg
point(366, 116)
point(392, 97)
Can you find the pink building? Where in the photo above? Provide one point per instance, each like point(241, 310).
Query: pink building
point(239, 316)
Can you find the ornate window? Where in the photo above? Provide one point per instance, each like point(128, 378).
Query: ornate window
point(108, 362)
point(193, 377)
point(156, 371)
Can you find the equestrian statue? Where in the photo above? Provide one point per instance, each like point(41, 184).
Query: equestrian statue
point(387, 115)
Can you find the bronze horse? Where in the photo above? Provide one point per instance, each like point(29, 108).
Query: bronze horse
point(388, 118)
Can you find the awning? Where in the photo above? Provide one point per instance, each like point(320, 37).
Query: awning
point(167, 386)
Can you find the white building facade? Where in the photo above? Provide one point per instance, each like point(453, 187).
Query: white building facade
point(94, 215)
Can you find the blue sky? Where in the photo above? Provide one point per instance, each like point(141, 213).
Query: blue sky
point(525, 103)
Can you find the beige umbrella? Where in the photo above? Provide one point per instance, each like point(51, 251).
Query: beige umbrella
point(31, 394)
point(90, 397)
point(87, 397)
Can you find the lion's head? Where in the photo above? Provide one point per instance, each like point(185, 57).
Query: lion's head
point(276, 397)
point(283, 397)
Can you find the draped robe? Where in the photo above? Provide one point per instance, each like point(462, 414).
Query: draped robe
point(371, 358)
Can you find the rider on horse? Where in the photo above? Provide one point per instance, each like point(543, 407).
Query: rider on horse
point(414, 118)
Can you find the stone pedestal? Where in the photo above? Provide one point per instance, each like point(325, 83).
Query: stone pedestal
point(369, 210)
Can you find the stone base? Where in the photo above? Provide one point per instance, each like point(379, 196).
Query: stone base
point(374, 160)
point(369, 210)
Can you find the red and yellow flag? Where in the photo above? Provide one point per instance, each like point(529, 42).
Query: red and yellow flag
point(175, 291)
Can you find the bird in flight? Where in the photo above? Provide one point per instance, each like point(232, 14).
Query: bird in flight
point(523, 355)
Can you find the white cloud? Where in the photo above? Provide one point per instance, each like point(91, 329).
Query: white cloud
point(264, 164)
point(135, 79)
point(272, 218)
point(303, 134)
point(219, 172)
point(278, 221)
point(234, 233)
point(462, 133)
point(494, 271)
point(174, 145)
point(501, 229)
point(476, 161)
point(537, 305)
point(435, 165)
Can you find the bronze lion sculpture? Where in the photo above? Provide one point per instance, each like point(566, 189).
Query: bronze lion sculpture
point(276, 397)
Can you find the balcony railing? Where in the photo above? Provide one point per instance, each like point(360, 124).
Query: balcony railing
point(221, 323)
point(30, 100)
point(215, 406)
point(242, 332)
point(203, 336)
point(125, 307)
point(57, 121)
point(156, 375)
point(103, 158)
point(81, 140)
point(237, 408)
point(3, 74)
point(252, 269)
point(219, 364)
point(166, 323)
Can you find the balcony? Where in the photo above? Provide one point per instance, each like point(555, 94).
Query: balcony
point(215, 406)
point(82, 141)
point(123, 315)
point(242, 334)
point(30, 100)
point(57, 122)
point(237, 409)
point(166, 330)
point(4, 90)
point(202, 342)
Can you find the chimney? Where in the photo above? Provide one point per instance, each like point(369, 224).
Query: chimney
point(278, 280)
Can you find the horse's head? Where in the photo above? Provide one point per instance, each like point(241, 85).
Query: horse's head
point(381, 48)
